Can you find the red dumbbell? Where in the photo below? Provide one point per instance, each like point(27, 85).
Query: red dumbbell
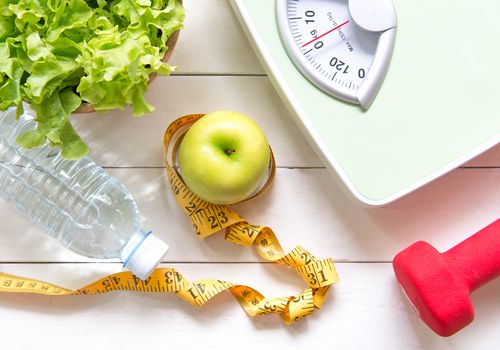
point(438, 284)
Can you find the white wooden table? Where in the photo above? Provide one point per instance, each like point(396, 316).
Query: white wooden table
point(366, 310)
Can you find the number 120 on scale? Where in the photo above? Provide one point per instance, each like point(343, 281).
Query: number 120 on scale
point(341, 46)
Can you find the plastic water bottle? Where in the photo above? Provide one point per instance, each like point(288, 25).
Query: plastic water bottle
point(76, 202)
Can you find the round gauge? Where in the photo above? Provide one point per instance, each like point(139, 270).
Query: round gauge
point(341, 46)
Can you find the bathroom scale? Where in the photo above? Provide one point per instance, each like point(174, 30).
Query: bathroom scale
point(391, 94)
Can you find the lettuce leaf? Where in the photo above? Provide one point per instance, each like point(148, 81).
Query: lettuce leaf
point(57, 54)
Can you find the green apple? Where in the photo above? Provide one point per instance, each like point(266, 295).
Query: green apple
point(224, 157)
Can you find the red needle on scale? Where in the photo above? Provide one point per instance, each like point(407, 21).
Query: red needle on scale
point(328, 32)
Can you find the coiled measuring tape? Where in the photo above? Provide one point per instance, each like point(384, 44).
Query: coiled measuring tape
point(207, 219)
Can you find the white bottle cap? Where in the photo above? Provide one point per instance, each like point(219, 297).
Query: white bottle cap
point(147, 256)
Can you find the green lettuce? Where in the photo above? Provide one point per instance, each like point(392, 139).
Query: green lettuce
point(56, 54)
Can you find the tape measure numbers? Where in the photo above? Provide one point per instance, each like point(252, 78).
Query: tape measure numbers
point(165, 280)
point(207, 219)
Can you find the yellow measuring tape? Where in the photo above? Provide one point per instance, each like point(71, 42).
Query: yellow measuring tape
point(208, 219)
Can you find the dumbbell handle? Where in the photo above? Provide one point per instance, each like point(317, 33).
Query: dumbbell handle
point(477, 259)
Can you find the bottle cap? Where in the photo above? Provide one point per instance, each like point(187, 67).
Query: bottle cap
point(146, 256)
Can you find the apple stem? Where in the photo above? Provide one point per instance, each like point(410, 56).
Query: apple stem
point(230, 151)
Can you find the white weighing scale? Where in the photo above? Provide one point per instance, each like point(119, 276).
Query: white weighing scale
point(390, 95)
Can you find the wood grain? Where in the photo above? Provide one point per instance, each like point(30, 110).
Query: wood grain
point(119, 140)
point(213, 42)
point(303, 207)
point(366, 310)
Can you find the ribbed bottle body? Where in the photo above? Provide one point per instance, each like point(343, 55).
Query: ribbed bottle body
point(76, 202)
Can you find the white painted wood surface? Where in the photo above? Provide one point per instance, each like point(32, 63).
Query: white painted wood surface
point(218, 70)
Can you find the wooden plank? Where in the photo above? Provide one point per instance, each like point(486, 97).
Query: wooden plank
point(304, 207)
point(119, 140)
point(366, 307)
point(213, 42)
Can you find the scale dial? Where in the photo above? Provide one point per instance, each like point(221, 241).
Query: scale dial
point(342, 46)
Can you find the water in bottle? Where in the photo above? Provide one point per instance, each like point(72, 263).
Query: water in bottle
point(76, 202)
